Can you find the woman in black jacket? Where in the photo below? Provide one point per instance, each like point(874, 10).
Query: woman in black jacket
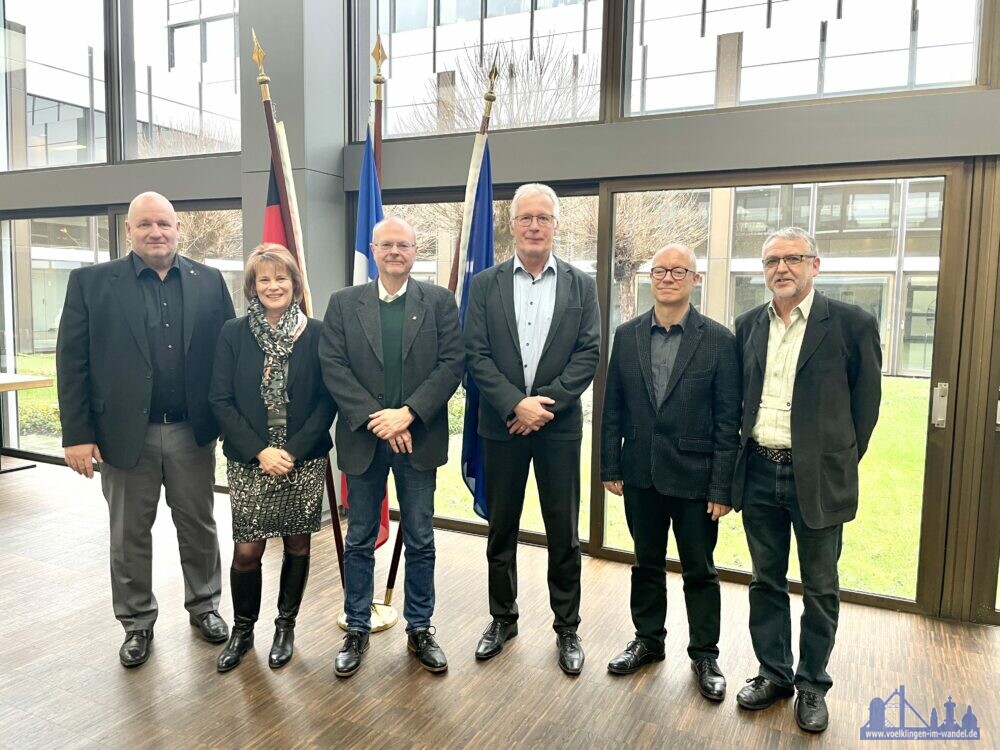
point(275, 414)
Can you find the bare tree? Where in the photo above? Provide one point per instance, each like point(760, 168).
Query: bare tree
point(211, 234)
point(554, 84)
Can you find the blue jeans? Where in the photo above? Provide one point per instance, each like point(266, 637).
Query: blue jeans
point(770, 515)
point(415, 490)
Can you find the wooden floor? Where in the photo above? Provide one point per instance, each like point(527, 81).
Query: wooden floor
point(62, 686)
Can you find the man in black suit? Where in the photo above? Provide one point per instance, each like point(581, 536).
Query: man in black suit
point(391, 353)
point(811, 389)
point(134, 359)
point(673, 397)
point(532, 338)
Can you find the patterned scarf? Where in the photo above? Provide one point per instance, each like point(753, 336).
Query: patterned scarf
point(276, 343)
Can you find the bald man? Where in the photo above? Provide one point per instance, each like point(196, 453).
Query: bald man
point(134, 357)
point(669, 435)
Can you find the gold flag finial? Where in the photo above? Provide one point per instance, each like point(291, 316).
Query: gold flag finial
point(490, 96)
point(258, 57)
point(379, 56)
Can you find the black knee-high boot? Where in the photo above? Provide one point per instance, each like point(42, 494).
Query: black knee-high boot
point(245, 588)
point(294, 573)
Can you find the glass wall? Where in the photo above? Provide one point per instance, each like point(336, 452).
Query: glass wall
point(440, 53)
point(37, 257)
point(866, 231)
point(437, 226)
point(689, 54)
point(52, 101)
point(180, 78)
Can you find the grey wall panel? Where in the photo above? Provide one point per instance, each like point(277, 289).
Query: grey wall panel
point(932, 125)
point(188, 179)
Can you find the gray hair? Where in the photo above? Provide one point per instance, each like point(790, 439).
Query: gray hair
point(535, 188)
point(390, 219)
point(692, 258)
point(793, 233)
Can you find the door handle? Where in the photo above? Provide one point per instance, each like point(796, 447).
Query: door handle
point(998, 410)
point(939, 405)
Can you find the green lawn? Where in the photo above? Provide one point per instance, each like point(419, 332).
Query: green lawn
point(880, 546)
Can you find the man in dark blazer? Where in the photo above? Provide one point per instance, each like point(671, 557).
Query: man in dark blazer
point(673, 397)
point(532, 338)
point(391, 353)
point(134, 360)
point(812, 371)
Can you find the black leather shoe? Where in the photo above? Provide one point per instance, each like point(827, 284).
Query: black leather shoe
point(494, 637)
point(711, 682)
point(349, 659)
point(421, 642)
point(635, 656)
point(570, 652)
point(240, 642)
point(211, 626)
point(760, 693)
point(811, 713)
point(135, 649)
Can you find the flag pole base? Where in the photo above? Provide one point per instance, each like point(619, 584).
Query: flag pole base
point(383, 617)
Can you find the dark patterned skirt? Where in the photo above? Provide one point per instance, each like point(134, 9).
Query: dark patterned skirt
point(265, 506)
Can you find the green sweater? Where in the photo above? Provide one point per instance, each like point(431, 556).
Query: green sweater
point(391, 314)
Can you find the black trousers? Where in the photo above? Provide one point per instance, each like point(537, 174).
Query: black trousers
point(649, 515)
point(770, 514)
point(557, 472)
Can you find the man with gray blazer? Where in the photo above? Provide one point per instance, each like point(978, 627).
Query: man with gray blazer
point(391, 353)
point(669, 434)
point(532, 340)
point(134, 355)
point(812, 371)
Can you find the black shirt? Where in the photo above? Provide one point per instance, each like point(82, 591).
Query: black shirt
point(164, 311)
point(663, 346)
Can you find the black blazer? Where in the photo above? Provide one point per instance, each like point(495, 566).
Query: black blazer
point(433, 362)
point(103, 362)
point(835, 403)
point(569, 358)
point(686, 445)
point(236, 401)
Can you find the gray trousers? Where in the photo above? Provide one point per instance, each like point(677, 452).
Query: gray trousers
point(170, 459)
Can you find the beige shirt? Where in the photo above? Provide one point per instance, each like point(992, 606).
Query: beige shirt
point(773, 427)
point(386, 296)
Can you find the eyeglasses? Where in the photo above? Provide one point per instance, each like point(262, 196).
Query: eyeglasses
point(544, 220)
point(772, 261)
point(659, 273)
point(387, 246)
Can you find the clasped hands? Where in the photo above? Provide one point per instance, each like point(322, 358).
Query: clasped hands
point(276, 462)
point(393, 426)
point(530, 415)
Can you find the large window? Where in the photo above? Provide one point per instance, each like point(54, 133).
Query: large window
point(437, 226)
point(866, 231)
point(36, 258)
point(180, 78)
point(689, 54)
point(441, 51)
point(52, 94)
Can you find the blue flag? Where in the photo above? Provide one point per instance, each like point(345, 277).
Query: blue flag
point(369, 214)
point(475, 255)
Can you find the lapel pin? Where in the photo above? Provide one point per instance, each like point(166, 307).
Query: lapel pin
point(414, 317)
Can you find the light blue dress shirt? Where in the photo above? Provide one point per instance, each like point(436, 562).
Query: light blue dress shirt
point(534, 302)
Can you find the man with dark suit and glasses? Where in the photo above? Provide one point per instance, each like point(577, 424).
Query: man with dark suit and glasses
point(669, 433)
point(812, 371)
point(391, 353)
point(532, 339)
point(134, 357)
